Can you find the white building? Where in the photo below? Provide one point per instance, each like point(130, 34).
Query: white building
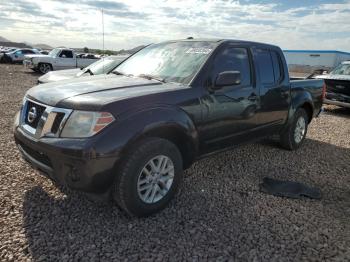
point(306, 61)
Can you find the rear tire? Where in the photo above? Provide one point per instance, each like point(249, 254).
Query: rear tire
point(44, 68)
point(138, 189)
point(293, 135)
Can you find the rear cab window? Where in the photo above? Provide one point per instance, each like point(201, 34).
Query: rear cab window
point(269, 67)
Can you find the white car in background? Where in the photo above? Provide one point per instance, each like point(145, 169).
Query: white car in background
point(57, 59)
point(102, 66)
point(18, 55)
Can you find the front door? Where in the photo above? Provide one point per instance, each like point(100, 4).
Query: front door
point(229, 113)
point(65, 60)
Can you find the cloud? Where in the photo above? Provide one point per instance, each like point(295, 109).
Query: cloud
point(108, 5)
point(291, 24)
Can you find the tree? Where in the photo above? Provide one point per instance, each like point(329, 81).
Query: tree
point(86, 50)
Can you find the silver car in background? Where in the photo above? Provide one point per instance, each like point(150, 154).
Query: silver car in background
point(102, 66)
point(17, 55)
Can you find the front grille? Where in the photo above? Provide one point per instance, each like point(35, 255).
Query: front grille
point(33, 120)
point(47, 120)
point(340, 87)
point(41, 157)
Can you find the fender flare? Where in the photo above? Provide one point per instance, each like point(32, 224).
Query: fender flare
point(162, 121)
point(301, 99)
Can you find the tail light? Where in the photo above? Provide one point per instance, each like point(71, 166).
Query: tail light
point(323, 91)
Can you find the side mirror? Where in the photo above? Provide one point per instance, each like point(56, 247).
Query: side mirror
point(227, 78)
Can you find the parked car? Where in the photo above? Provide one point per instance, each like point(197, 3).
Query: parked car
point(7, 50)
point(91, 56)
point(338, 85)
point(102, 66)
point(57, 59)
point(17, 56)
point(130, 134)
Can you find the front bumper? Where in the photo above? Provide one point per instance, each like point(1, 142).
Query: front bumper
point(69, 162)
point(337, 103)
point(337, 99)
point(28, 64)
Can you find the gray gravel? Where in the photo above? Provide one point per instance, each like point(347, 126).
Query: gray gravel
point(218, 215)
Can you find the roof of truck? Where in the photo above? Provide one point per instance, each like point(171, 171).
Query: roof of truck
point(220, 40)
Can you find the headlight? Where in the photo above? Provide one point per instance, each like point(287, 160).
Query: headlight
point(24, 99)
point(86, 124)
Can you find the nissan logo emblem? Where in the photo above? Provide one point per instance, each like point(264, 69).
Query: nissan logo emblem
point(32, 114)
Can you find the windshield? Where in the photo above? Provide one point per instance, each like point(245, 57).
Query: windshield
point(54, 52)
point(342, 69)
point(103, 66)
point(171, 62)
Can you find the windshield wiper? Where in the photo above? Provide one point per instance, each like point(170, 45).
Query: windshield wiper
point(89, 71)
point(117, 73)
point(151, 77)
point(121, 74)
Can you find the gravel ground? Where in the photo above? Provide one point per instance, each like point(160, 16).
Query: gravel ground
point(218, 215)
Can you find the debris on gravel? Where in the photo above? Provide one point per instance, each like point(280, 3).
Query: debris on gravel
point(219, 213)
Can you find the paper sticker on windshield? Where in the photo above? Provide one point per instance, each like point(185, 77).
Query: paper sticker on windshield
point(193, 50)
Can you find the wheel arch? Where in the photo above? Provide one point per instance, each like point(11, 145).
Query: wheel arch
point(168, 123)
point(309, 110)
point(43, 62)
point(303, 100)
point(179, 138)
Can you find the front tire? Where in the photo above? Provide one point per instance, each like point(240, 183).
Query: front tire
point(44, 68)
point(293, 136)
point(148, 177)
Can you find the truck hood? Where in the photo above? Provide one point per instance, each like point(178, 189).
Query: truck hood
point(55, 76)
point(35, 55)
point(97, 90)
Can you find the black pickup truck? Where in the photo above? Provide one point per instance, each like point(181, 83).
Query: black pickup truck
point(130, 134)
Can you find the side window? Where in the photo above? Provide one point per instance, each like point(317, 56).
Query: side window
point(233, 59)
point(66, 53)
point(265, 65)
point(276, 66)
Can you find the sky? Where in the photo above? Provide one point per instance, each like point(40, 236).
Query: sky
point(293, 24)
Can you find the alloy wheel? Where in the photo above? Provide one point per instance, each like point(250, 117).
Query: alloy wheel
point(155, 179)
point(44, 68)
point(300, 130)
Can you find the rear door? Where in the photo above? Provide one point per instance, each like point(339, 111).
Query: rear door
point(65, 60)
point(274, 89)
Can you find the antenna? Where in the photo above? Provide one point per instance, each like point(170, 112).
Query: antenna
point(103, 41)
